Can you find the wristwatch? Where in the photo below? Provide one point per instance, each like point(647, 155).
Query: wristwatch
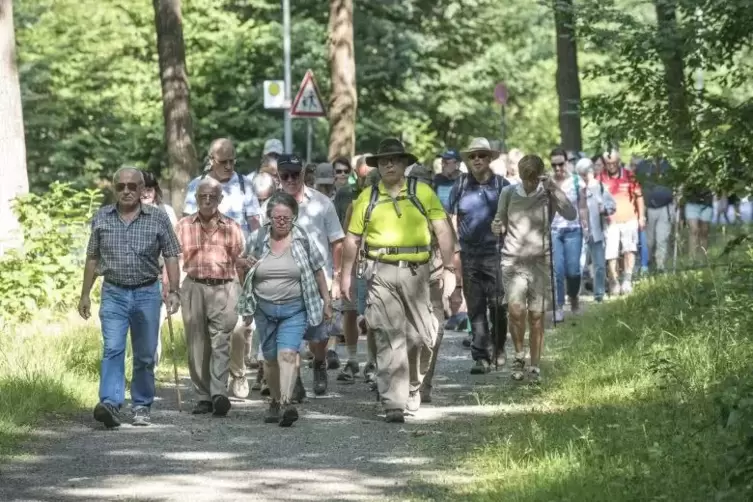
point(451, 268)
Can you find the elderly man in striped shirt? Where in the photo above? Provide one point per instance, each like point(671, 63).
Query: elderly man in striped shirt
point(211, 244)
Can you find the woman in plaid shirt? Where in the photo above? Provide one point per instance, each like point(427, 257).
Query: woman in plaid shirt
point(284, 291)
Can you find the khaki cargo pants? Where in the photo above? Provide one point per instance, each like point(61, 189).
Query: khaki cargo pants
point(436, 293)
point(401, 320)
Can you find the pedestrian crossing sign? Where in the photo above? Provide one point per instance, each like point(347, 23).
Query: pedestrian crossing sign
point(308, 102)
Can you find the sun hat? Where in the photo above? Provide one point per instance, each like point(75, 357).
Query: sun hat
point(391, 147)
point(479, 145)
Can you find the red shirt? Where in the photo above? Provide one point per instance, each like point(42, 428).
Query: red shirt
point(625, 190)
point(210, 250)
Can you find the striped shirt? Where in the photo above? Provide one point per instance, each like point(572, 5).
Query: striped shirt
point(210, 250)
point(129, 252)
point(309, 261)
point(235, 202)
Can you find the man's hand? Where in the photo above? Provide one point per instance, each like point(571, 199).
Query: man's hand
point(456, 299)
point(327, 310)
point(448, 282)
point(85, 307)
point(497, 227)
point(345, 287)
point(549, 184)
point(172, 303)
point(335, 290)
point(165, 287)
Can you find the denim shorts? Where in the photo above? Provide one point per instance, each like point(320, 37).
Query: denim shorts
point(699, 212)
point(280, 326)
point(318, 333)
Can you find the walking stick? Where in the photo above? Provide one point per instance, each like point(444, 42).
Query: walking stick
point(175, 363)
point(548, 226)
point(677, 238)
point(497, 290)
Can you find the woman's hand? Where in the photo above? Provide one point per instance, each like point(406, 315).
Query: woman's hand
point(246, 262)
point(327, 310)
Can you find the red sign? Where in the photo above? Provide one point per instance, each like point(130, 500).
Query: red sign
point(308, 102)
point(500, 93)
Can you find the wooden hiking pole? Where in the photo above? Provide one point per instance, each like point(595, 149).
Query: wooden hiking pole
point(175, 363)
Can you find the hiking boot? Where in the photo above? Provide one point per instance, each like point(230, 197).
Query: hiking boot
point(107, 414)
point(518, 365)
point(349, 372)
point(627, 287)
point(259, 379)
point(264, 390)
point(414, 401)
point(362, 326)
point(299, 392)
point(394, 417)
point(202, 408)
point(480, 367)
point(425, 394)
point(559, 315)
point(289, 415)
point(534, 374)
point(273, 413)
point(320, 378)
point(238, 387)
point(221, 405)
point(141, 416)
point(369, 372)
point(574, 304)
point(333, 360)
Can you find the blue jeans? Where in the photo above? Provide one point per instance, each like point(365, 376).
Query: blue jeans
point(139, 310)
point(566, 246)
point(641, 264)
point(599, 262)
point(280, 326)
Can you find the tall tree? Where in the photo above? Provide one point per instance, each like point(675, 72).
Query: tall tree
point(342, 64)
point(181, 153)
point(568, 79)
point(12, 146)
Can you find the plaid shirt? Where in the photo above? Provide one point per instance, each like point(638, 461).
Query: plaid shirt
point(309, 261)
point(236, 204)
point(128, 253)
point(210, 251)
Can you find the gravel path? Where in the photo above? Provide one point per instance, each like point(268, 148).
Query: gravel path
point(340, 449)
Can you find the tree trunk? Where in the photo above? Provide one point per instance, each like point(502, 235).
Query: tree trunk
point(15, 180)
point(671, 53)
point(568, 80)
point(343, 97)
point(181, 153)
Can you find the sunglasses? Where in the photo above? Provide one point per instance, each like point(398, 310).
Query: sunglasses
point(132, 187)
point(558, 164)
point(475, 156)
point(290, 176)
point(342, 171)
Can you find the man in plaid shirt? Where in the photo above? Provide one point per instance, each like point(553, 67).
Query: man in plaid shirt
point(211, 244)
point(126, 241)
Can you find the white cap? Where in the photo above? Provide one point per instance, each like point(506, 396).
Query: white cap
point(324, 174)
point(273, 146)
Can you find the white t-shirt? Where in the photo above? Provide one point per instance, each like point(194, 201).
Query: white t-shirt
point(568, 186)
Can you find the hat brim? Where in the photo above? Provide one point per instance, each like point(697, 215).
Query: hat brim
point(494, 154)
point(373, 160)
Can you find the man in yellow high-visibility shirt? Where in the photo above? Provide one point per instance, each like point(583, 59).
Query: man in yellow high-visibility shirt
point(390, 232)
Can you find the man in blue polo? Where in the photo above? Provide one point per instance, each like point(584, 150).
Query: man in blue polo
point(442, 182)
point(473, 204)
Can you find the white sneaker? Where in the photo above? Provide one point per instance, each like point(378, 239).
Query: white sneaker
point(627, 287)
point(559, 315)
point(238, 387)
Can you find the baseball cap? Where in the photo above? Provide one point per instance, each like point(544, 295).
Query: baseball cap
point(289, 162)
point(273, 146)
point(324, 174)
point(450, 155)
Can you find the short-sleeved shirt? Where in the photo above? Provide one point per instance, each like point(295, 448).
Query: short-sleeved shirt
point(386, 229)
point(624, 189)
point(655, 194)
point(475, 209)
point(235, 202)
point(443, 186)
point(210, 251)
point(343, 198)
point(317, 216)
point(129, 253)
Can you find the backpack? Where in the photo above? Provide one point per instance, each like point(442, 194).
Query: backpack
point(462, 182)
point(242, 183)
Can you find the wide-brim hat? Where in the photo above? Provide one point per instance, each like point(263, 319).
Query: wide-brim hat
point(391, 147)
point(480, 145)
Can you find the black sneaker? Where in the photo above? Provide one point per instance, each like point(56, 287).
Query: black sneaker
point(369, 372)
point(349, 372)
point(141, 416)
point(333, 360)
point(320, 378)
point(107, 414)
point(221, 405)
point(394, 417)
point(481, 367)
point(202, 408)
point(289, 416)
point(299, 392)
point(467, 342)
point(273, 413)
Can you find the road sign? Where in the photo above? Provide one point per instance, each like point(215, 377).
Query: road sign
point(500, 93)
point(308, 102)
point(274, 94)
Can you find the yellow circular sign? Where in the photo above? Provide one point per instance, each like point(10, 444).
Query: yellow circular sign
point(274, 89)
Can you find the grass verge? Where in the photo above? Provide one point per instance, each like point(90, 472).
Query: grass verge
point(54, 370)
point(649, 397)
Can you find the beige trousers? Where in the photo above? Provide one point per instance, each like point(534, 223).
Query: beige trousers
point(208, 318)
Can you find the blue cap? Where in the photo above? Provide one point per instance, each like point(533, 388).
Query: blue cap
point(450, 155)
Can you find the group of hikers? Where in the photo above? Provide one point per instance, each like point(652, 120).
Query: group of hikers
point(277, 266)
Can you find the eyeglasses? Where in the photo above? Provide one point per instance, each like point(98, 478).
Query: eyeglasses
point(225, 162)
point(132, 187)
point(558, 164)
point(282, 219)
point(475, 156)
point(290, 176)
point(208, 196)
point(342, 171)
point(387, 161)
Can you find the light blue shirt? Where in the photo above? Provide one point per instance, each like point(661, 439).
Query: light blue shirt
point(236, 204)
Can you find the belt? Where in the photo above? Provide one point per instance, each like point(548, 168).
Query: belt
point(401, 263)
point(132, 286)
point(398, 249)
point(210, 282)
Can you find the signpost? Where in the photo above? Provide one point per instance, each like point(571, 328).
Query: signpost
point(288, 124)
point(274, 95)
point(501, 95)
point(308, 103)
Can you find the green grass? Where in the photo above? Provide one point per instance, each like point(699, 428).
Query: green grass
point(630, 406)
point(53, 370)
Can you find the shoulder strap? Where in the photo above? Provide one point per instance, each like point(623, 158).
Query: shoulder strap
point(242, 183)
point(462, 184)
point(373, 200)
point(576, 182)
point(412, 183)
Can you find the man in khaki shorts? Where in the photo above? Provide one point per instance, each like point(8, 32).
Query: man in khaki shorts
point(524, 215)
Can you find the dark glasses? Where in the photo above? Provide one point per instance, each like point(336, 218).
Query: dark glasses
point(475, 156)
point(132, 187)
point(342, 171)
point(290, 176)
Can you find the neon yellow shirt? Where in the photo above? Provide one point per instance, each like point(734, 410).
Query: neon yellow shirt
point(386, 229)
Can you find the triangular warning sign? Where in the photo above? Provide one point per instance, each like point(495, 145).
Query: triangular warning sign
point(308, 102)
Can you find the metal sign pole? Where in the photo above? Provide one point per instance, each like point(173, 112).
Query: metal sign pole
point(288, 127)
point(309, 138)
point(503, 130)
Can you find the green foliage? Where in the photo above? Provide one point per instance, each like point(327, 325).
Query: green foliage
point(45, 274)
